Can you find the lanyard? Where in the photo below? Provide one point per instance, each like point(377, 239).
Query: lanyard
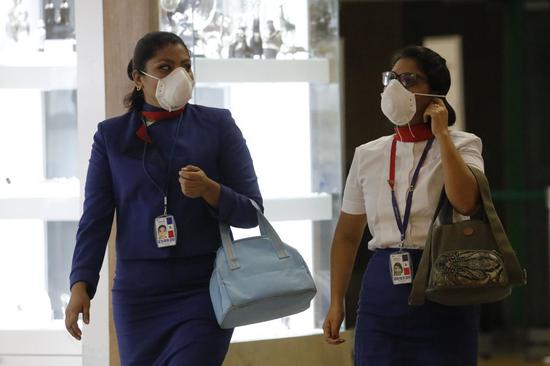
point(163, 190)
point(402, 224)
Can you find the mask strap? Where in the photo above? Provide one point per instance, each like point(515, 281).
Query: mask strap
point(400, 137)
point(431, 95)
point(151, 76)
point(410, 129)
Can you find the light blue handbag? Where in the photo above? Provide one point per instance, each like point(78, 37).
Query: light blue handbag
point(258, 278)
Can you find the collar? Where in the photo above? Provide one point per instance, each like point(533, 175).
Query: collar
point(414, 133)
point(154, 114)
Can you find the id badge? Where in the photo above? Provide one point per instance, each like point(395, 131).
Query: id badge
point(165, 231)
point(401, 268)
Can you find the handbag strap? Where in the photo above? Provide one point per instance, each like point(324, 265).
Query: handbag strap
point(420, 282)
point(513, 268)
point(446, 213)
point(265, 229)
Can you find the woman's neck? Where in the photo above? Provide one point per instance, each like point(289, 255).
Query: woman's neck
point(153, 103)
point(417, 119)
point(152, 107)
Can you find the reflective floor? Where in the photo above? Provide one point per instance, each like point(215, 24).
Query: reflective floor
point(313, 351)
point(511, 361)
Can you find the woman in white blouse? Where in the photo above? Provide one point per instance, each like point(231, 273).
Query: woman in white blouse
point(394, 185)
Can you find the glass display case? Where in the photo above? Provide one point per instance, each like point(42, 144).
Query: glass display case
point(275, 65)
point(39, 188)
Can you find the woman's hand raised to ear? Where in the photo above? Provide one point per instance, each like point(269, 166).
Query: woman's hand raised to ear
point(439, 116)
point(460, 184)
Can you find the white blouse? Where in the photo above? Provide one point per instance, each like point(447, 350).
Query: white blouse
point(367, 190)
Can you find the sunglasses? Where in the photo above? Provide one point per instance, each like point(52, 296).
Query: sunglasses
point(407, 79)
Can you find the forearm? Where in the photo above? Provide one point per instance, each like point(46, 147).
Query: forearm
point(342, 259)
point(460, 184)
point(212, 193)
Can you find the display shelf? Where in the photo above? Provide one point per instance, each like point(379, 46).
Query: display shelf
point(51, 70)
point(38, 77)
point(43, 208)
point(44, 76)
point(21, 342)
point(264, 71)
point(315, 207)
point(60, 201)
point(56, 200)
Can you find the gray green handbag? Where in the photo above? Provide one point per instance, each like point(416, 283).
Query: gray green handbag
point(468, 262)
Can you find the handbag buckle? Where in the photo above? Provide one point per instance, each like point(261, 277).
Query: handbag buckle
point(468, 231)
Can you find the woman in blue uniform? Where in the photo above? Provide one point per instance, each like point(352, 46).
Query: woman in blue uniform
point(394, 185)
point(170, 170)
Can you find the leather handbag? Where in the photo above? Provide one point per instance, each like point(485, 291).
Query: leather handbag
point(468, 262)
point(258, 278)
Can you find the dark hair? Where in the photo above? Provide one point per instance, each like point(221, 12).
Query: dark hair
point(161, 227)
point(145, 49)
point(434, 67)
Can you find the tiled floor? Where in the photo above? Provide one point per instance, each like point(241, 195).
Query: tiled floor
point(510, 361)
point(313, 351)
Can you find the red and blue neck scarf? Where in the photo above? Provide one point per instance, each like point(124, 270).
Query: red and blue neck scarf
point(151, 113)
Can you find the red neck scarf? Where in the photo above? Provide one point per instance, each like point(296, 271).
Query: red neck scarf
point(154, 114)
point(414, 133)
point(159, 115)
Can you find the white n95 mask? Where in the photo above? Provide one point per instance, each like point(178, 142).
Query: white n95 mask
point(174, 90)
point(399, 104)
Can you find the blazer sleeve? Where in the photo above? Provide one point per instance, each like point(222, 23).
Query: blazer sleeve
point(97, 217)
point(237, 178)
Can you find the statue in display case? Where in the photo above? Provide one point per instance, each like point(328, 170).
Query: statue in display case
point(273, 41)
point(250, 28)
point(323, 27)
point(17, 27)
point(189, 19)
point(256, 43)
point(58, 21)
point(239, 48)
point(217, 36)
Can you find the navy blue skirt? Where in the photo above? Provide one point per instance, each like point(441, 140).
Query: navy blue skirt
point(163, 314)
point(390, 332)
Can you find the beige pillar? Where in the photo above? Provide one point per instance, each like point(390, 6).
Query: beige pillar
point(124, 23)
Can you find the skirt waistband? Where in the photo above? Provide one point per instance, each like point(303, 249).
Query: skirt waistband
point(162, 275)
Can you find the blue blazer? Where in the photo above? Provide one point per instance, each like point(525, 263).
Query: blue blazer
point(116, 182)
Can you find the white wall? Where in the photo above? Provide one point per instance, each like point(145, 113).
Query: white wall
point(91, 111)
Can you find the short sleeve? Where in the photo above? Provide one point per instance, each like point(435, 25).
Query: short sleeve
point(353, 201)
point(471, 152)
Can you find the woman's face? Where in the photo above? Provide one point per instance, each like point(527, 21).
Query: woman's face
point(404, 65)
point(163, 63)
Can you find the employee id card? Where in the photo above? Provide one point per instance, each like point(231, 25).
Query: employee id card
point(165, 231)
point(401, 267)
